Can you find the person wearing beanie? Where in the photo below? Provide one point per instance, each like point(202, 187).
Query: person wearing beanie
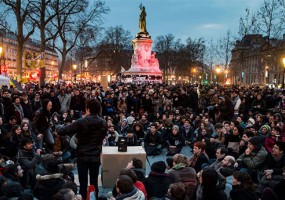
point(175, 141)
point(157, 182)
point(264, 131)
point(253, 158)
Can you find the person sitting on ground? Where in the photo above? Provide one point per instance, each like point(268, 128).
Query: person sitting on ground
point(11, 186)
point(48, 185)
point(253, 158)
point(138, 184)
point(242, 187)
point(112, 136)
point(28, 160)
point(157, 182)
point(181, 171)
point(177, 191)
point(199, 156)
point(126, 189)
point(175, 141)
point(208, 188)
point(132, 139)
point(153, 141)
point(221, 152)
point(244, 141)
point(65, 194)
point(277, 193)
point(137, 166)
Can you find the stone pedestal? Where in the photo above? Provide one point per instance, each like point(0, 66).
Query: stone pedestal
point(145, 66)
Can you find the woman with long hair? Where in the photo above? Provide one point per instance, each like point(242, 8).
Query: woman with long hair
point(13, 141)
point(242, 187)
point(42, 124)
point(208, 188)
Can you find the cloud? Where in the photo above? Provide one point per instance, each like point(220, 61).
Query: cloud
point(212, 26)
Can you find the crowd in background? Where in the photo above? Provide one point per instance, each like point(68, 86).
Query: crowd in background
point(236, 134)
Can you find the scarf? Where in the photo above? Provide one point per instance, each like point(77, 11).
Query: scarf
point(193, 159)
point(179, 166)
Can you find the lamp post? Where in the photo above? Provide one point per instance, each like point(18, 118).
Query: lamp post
point(74, 68)
point(283, 72)
point(1, 54)
point(218, 70)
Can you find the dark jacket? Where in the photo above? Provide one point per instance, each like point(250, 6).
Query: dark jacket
point(28, 109)
point(48, 185)
point(241, 194)
point(277, 166)
point(91, 131)
point(156, 184)
point(11, 187)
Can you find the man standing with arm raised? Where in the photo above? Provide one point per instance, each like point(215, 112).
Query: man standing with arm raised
point(91, 131)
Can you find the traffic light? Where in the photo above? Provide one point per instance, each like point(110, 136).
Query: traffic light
point(5, 69)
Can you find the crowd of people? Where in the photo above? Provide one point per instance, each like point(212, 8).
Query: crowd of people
point(236, 134)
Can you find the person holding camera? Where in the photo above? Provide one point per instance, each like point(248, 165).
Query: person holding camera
point(91, 131)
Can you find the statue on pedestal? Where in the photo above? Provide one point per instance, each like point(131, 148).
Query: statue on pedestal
point(142, 22)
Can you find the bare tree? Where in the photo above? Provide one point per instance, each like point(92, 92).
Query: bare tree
point(165, 48)
point(270, 19)
point(116, 45)
point(73, 21)
point(19, 10)
point(247, 25)
point(223, 49)
point(44, 12)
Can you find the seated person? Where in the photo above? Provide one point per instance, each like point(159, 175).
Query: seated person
point(199, 156)
point(153, 141)
point(253, 158)
point(221, 152)
point(126, 189)
point(157, 182)
point(175, 141)
point(112, 136)
point(11, 186)
point(137, 166)
point(177, 191)
point(132, 139)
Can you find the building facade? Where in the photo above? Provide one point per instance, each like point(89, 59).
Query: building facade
point(257, 60)
point(33, 58)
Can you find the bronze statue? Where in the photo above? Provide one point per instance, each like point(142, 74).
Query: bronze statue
point(142, 22)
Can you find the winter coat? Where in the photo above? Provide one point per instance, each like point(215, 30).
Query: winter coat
point(255, 159)
point(133, 195)
point(48, 185)
point(91, 131)
point(156, 184)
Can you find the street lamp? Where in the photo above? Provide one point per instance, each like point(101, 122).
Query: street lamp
point(283, 72)
point(218, 71)
point(1, 54)
point(74, 68)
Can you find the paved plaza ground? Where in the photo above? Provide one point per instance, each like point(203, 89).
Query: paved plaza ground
point(150, 159)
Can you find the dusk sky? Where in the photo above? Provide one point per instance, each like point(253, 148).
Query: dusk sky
point(209, 19)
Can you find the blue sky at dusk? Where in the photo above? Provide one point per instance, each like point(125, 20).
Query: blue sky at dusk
point(209, 19)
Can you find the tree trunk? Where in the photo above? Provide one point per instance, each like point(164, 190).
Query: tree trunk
point(43, 42)
point(60, 70)
point(19, 60)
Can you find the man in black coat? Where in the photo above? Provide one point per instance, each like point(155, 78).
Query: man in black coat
point(91, 131)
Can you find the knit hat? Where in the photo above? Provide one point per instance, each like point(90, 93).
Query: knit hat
point(251, 120)
point(256, 141)
point(267, 128)
point(158, 167)
point(175, 127)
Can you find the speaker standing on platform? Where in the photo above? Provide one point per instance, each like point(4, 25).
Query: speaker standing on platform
point(91, 131)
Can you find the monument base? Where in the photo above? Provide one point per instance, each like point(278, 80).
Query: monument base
point(141, 77)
